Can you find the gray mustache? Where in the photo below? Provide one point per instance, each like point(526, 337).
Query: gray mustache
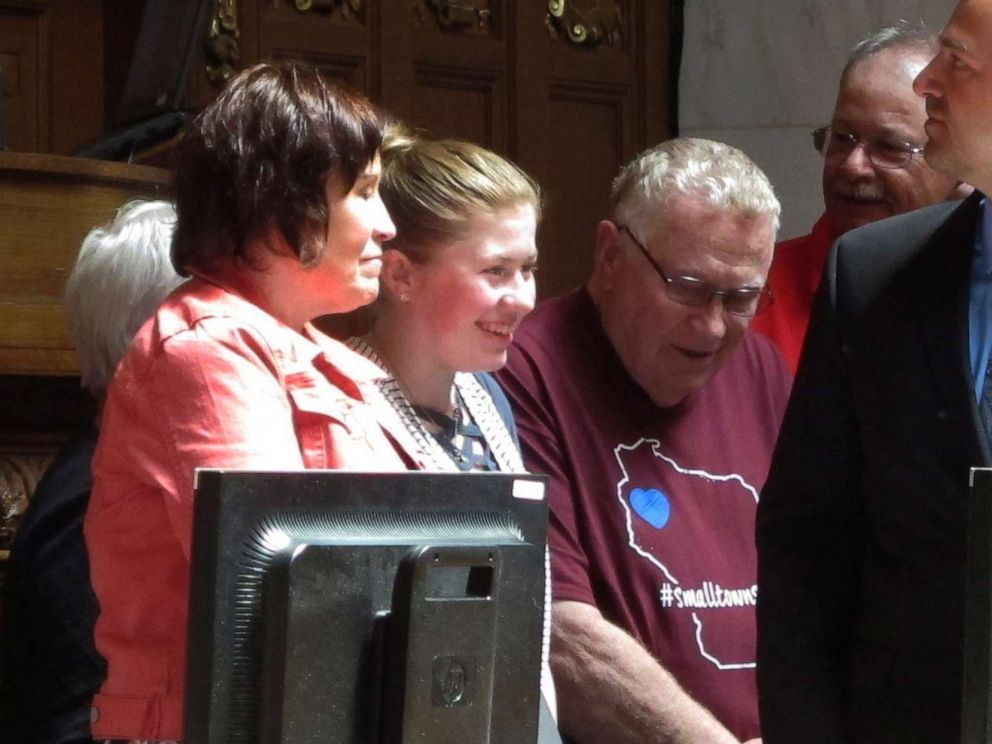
point(862, 190)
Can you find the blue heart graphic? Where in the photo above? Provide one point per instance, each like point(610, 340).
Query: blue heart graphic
point(652, 506)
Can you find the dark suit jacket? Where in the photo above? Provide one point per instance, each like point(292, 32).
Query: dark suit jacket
point(49, 666)
point(861, 525)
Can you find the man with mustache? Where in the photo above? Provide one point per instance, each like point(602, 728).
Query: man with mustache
point(862, 525)
point(872, 168)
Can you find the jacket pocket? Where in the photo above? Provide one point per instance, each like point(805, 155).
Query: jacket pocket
point(328, 424)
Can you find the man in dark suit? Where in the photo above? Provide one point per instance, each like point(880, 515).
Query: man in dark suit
point(861, 525)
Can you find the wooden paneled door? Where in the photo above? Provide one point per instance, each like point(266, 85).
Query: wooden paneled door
point(51, 74)
point(591, 91)
point(569, 89)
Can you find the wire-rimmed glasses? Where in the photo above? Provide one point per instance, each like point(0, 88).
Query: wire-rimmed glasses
point(744, 302)
point(882, 153)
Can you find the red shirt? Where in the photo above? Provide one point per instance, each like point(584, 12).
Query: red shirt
point(210, 381)
point(795, 277)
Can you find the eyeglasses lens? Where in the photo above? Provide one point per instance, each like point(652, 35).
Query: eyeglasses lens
point(881, 153)
point(742, 302)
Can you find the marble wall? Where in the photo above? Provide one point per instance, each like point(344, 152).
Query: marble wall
point(761, 75)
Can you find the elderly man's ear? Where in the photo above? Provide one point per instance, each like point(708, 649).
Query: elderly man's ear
point(608, 254)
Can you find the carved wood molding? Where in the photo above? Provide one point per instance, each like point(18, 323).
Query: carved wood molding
point(589, 26)
point(458, 14)
point(31, 6)
point(458, 78)
point(19, 475)
point(223, 49)
point(350, 9)
point(588, 91)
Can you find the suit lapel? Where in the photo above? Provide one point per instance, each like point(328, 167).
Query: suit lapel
point(943, 284)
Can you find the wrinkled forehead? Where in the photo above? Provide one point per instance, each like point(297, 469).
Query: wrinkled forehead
point(695, 213)
point(695, 235)
point(880, 102)
point(889, 70)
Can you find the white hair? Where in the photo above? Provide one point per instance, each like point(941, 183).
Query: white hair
point(721, 175)
point(122, 274)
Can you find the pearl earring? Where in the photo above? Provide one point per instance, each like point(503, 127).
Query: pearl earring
point(404, 297)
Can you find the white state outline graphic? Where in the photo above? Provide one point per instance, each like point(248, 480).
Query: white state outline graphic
point(712, 659)
point(655, 446)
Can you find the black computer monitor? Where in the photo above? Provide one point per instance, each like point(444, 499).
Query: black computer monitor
point(366, 608)
point(976, 710)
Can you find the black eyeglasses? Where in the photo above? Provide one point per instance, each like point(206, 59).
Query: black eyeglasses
point(743, 302)
point(882, 153)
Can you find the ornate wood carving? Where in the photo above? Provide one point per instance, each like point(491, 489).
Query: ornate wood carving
point(458, 14)
point(19, 475)
point(597, 23)
point(223, 50)
point(350, 9)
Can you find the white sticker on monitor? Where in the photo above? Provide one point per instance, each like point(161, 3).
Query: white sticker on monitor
point(532, 490)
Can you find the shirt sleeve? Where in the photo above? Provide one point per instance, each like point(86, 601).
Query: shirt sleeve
point(544, 452)
point(217, 401)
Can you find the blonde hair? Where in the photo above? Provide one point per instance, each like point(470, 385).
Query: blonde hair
point(433, 189)
point(721, 175)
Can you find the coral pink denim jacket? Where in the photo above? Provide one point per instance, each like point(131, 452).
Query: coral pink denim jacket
point(210, 381)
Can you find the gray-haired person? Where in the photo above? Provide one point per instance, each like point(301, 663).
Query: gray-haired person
point(873, 168)
point(654, 412)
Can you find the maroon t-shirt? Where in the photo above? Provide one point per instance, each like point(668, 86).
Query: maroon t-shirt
point(652, 509)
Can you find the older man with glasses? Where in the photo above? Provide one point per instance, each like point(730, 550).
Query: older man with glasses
point(654, 412)
point(873, 167)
